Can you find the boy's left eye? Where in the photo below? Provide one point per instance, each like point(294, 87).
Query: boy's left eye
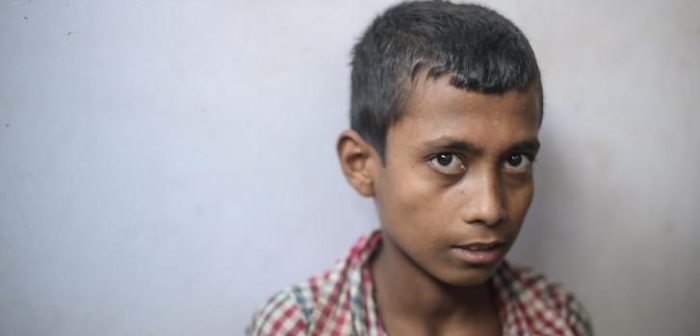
point(517, 163)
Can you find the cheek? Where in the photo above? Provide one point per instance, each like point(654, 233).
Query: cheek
point(408, 200)
point(519, 200)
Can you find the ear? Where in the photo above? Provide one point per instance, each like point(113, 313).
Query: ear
point(359, 160)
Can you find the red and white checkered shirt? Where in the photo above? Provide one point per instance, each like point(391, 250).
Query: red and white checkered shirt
point(340, 302)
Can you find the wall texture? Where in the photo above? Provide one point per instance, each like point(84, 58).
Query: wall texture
point(165, 166)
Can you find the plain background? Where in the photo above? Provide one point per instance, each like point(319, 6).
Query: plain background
point(166, 166)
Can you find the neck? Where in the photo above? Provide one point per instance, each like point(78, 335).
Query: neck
point(429, 301)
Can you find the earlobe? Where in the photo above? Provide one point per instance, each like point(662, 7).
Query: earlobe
point(357, 162)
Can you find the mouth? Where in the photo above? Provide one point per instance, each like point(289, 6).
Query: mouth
point(479, 246)
point(480, 253)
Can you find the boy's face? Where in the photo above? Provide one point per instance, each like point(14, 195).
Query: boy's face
point(457, 179)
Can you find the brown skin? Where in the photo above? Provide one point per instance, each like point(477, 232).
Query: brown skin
point(457, 170)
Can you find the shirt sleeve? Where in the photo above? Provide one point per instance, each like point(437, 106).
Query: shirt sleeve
point(577, 317)
point(280, 316)
point(537, 305)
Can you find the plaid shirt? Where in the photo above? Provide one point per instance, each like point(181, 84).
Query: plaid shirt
point(340, 302)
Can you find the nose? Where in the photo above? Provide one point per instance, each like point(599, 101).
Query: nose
point(485, 206)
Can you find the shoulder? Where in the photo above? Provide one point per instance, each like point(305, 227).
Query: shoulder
point(335, 301)
point(318, 304)
point(280, 315)
point(541, 302)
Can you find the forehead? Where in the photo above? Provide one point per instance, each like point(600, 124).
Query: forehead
point(434, 109)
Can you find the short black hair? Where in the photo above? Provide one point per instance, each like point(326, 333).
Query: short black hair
point(479, 48)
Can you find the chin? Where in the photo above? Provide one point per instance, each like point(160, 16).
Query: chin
point(470, 277)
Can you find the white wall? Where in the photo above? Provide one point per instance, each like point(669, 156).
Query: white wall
point(165, 166)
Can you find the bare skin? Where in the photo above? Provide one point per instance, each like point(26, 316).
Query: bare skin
point(430, 309)
point(457, 171)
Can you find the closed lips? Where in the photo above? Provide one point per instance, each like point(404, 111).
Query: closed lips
point(481, 246)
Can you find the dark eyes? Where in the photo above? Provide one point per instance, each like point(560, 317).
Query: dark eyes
point(451, 164)
point(517, 163)
point(447, 163)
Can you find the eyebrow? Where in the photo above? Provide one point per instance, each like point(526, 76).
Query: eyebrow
point(529, 145)
point(457, 145)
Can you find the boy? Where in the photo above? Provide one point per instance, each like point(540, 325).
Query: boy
point(445, 110)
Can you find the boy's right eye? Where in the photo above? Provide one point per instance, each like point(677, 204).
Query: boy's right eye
point(447, 163)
